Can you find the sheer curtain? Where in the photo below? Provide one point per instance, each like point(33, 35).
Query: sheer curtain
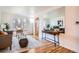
point(22, 23)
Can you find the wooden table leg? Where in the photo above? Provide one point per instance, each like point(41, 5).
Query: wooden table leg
point(58, 40)
point(45, 36)
point(54, 41)
point(42, 35)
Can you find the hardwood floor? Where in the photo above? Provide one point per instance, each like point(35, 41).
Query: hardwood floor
point(46, 47)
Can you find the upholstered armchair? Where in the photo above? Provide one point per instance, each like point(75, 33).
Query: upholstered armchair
point(5, 41)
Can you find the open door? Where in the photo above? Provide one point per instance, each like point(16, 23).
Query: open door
point(37, 27)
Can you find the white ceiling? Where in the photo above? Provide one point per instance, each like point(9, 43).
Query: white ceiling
point(27, 10)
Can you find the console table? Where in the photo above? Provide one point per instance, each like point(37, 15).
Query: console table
point(54, 33)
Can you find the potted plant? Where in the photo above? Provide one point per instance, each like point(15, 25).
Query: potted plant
point(48, 26)
point(56, 28)
point(6, 27)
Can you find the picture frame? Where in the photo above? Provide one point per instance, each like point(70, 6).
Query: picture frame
point(60, 22)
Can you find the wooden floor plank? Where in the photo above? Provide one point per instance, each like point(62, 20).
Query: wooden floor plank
point(48, 47)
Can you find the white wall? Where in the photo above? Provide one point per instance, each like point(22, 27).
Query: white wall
point(55, 15)
point(71, 38)
point(0, 19)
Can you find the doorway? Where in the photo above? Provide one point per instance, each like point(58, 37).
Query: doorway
point(37, 27)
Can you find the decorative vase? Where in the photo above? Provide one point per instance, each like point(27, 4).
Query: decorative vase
point(23, 42)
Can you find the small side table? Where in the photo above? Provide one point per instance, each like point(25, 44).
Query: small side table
point(54, 33)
